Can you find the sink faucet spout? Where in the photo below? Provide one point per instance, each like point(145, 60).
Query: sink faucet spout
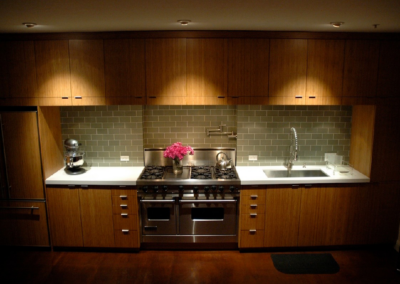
point(294, 148)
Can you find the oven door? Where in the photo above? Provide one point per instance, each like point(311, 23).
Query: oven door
point(158, 217)
point(208, 217)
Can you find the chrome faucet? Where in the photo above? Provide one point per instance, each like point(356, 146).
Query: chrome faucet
point(294, 148)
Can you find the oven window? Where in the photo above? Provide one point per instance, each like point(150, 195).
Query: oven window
point(207, 213)
point(158, 213)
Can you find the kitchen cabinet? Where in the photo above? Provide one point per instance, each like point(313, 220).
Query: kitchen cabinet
point(166, 71)
point(325, 61)
point(288, 72)
point(87, 72)
point(388, 75)
point(207, 71)
point(248, 61)
point(360, 68)
point(53, 72)
point(124, 65)
point(252, 217)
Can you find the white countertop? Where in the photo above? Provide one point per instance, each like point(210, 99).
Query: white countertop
point(98, 176)
point(255, 175)
point(247, 175)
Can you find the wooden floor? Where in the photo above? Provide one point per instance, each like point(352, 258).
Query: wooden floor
point(356, 266)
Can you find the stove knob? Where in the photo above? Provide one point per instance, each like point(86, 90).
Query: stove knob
point(145, 189)
point(165, 188)
point(180, 188)
point(213, 188)
point(155, 189)
point(221, 188)
point(195, 189)
point(206, 189)
point(232, 188)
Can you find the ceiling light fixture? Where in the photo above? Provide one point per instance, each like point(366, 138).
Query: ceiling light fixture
point(337, 24)
point(29, 25)
point(184, 22)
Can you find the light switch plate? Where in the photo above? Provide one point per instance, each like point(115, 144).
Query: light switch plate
point(124, 158)
point(252, 157)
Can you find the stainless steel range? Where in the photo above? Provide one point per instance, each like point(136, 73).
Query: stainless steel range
point(198, 206)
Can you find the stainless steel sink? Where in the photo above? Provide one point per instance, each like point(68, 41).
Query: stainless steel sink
point(294, 173)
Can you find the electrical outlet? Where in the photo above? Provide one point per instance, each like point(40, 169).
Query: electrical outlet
point(124, 158)
point(252, 157)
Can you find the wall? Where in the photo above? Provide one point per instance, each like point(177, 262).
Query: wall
point(106, 133)
point(265, 131)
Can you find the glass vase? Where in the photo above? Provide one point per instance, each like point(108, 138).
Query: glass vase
point(177, 166)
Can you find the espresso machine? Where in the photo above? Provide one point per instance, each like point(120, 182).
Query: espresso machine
point(73, 157)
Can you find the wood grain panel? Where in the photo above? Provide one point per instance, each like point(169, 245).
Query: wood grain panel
point(88, 101)
point(125, 222)
point(52, 68)
point(19, 101)
point(282, 216)
point(87, 70)
point(4, 89)
point(325, 68)
point(127, 191)
point(97, 220)
point(313, 100)
point(165, 69)
point(52, 151)
point(66, 101)
point(388, 74)
point(300, 100)
point(126, 100)
point(360, 68)
point(23, 227)
point(252, 196)
point(22, 153)
point(124, 205)
point(250, 221)
point(64, 216)
point(128, 239)
point(248, 100)
point(347, 101)
point(248, 61)
point(207, 72)
point(362, 138)
point(250, 239)
point(206, 100)
point(164, 100)
point(124, 67)
point(288, 69)
point(252, 208)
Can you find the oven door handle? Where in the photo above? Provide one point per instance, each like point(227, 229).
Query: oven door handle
point(209, 201)
point(156, 201)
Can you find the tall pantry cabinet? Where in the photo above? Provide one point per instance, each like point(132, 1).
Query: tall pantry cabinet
point(22, 204)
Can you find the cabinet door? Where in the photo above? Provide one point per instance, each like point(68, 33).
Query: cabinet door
point(97, 217)
point(282, 216)
point(389, 75)
point(324, 72)
point(23, 223)
point(124, 69)
point(360, 68)
point(87, 72)
point(22, 155)
point(207, 71)
point(166, 71)
point(288, 70)
point(64, 216)
point(248, 68)
point(53, 72)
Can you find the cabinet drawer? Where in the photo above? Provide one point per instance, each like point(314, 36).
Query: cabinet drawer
point(246, 208)
point(126, 238)
point(124, 191)
point(125, 221)
point(251, 238)
point(124, 204)
point(253, 196)
point(252, 221)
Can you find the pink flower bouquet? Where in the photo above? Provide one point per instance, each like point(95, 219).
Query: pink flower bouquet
point(177, 151)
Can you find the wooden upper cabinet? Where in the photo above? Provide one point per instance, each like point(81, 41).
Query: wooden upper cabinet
point(325, 71)
point(207, 71)
point(166, 71)
point(124, 71)
point(288, 71)
point(53, 72)
point(389, 65)
point(248, 68)
point(87, 72)
point(360, 68)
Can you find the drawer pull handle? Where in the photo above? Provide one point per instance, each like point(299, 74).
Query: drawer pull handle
point(64, 98)
point(253, 196)
point(124, 214)
point(312, 97)
point(221, 97)
point(125, 231)
point(124, 205)
point(253, 205)
point(123, 196)
point(253, 215)
point(78, 97)
point(252, 231)
point(298, 97)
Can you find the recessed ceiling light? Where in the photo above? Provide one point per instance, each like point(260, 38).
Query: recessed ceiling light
point(184, 22)
point(337, 24)
point(29, 25)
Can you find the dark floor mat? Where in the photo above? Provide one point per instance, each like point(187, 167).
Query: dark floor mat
point(320, 263)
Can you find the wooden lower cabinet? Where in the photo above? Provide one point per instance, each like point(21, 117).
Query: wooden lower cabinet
point(93, 217)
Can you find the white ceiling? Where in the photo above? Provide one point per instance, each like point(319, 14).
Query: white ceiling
point(257, 15)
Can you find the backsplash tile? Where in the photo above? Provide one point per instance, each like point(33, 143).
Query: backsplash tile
point(164, 125)
point(106, 133)
point(265, 131)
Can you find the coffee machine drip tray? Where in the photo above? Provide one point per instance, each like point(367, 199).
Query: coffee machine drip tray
point(74, 171)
